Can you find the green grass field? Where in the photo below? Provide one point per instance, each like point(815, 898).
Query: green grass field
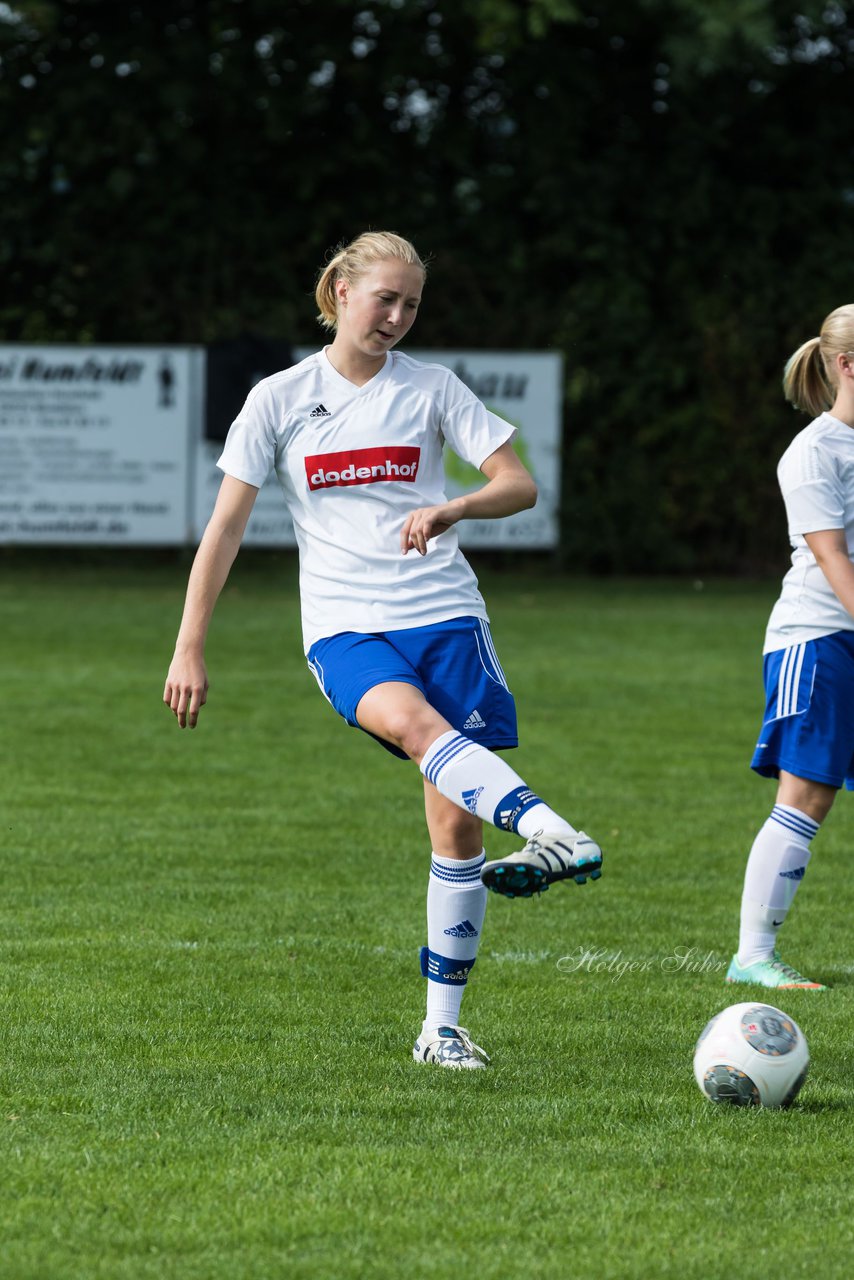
point(210, 942)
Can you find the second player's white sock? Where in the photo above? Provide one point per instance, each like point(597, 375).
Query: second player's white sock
point(777, 864)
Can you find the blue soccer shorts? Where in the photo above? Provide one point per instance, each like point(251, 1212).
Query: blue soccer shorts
point(453, 663)
point(809, 716)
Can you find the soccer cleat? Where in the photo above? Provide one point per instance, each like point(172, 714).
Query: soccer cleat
point(543, 861)
point(771, 973)
point(450, 1047)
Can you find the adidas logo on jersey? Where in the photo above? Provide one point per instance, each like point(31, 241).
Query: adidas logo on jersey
point(470, 799)
point(320, 411)
point(465, 929)
point(475, 721)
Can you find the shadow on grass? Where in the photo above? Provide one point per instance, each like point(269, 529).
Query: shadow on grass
point(835, 978)
point(819, 1106)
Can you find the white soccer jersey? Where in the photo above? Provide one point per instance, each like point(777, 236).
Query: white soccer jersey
point(816, 475)
point(353, 462)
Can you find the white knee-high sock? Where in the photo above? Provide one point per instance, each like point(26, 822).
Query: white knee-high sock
point(778, 861)
point(475, 779)
point(456, 905)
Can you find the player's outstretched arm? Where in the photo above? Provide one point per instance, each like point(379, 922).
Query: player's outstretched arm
point(509, 488)
point(186, 688)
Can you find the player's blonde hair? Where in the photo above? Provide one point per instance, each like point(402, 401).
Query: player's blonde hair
point(809, 380)
point(350, 262)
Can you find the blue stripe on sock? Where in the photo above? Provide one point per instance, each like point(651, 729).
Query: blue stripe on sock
point(468, 875)
point(444, 755)
point(805, 827)
point(452, 744)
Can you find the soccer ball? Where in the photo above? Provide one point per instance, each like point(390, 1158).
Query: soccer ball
point(751, 1055)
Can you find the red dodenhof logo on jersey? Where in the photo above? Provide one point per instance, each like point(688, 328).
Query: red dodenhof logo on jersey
point(362, 466)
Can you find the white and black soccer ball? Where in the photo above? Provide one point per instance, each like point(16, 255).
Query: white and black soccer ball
point(751, 1055)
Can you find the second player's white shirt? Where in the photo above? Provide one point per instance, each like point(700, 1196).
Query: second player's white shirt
point(353, 462)
point(816, 475)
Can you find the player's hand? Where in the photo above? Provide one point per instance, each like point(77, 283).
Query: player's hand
point(423, 524)
point(186, 690)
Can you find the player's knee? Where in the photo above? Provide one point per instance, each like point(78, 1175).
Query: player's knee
point(413, 730)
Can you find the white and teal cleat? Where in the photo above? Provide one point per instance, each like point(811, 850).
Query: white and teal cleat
point(771, 973)
point(544, 861)
point(450, 1047)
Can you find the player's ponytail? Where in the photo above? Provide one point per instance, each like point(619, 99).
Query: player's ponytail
point(804, 382)
point(809, 379)
point(324, 293)
point(351, 261)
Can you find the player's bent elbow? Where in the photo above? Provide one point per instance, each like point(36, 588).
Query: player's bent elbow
point(529, 494)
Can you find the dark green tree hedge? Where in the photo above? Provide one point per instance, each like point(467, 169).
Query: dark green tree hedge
point(661, 189)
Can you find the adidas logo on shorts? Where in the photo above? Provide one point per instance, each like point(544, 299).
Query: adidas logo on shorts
point(475, 721)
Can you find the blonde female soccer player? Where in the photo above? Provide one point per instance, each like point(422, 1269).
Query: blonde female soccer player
point(807, 738)
point(394, 627)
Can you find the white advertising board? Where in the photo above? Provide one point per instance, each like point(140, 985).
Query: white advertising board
point(523, 387)
point(95, 444)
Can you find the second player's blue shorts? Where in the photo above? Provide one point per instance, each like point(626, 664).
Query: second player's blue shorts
point(809, 715)
point(453, 663)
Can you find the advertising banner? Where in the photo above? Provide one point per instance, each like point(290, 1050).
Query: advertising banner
point(95, 444)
